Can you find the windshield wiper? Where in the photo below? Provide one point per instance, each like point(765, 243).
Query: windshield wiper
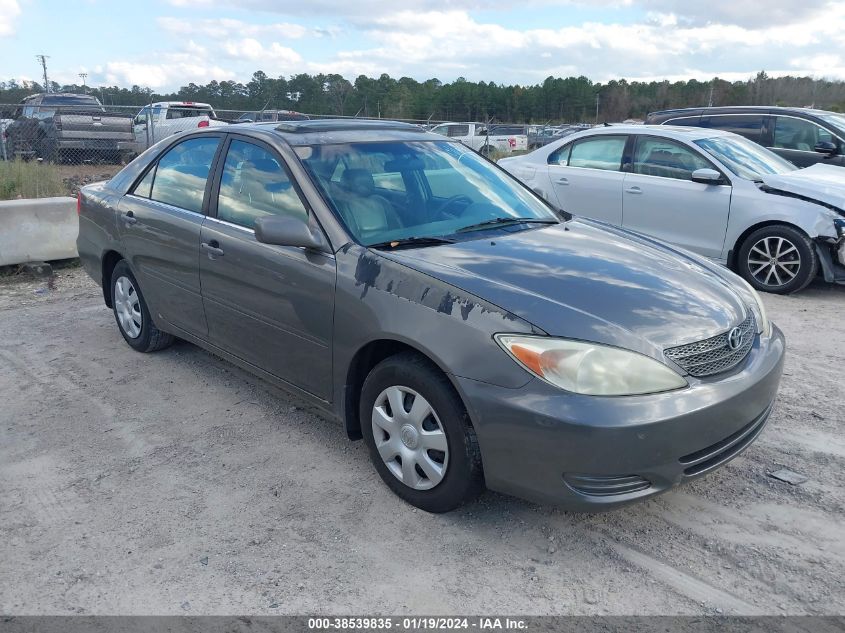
point(505, 222)
point(412, 241)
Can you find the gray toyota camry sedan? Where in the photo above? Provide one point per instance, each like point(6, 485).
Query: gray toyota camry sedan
point(471, 334)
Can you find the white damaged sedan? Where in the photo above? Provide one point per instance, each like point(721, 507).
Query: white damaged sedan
point(714, 193)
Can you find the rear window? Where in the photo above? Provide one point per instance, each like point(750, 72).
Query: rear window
point(69, 100)
point(182, 112)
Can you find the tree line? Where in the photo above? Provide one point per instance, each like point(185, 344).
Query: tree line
point(570, 99)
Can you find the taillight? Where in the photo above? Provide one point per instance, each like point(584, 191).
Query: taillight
point(79, 203)
point(203, 123)
point(512, 142)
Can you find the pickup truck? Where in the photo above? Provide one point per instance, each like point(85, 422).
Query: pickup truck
point(165, 118)
point(64, 126)
point(483, 140)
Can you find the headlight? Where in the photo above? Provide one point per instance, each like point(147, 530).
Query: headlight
point(763, 323)
point(589, 368)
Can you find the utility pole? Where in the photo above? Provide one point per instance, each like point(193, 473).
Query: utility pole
point(597, 108)
point(43, 59)
point(84, 77)
point(710, 99)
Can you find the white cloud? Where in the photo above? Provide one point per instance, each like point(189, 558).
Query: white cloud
point(9, 12)
point(222, 28)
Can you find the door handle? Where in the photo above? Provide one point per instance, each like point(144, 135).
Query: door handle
point(212, 248)
point(633, 190)
point(563, 181)
point(129, 218)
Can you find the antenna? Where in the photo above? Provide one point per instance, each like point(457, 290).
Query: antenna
point(43, 59)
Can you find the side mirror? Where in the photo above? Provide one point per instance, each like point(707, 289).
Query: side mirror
point(707, 176)
point(825, 147)
point(287, 231)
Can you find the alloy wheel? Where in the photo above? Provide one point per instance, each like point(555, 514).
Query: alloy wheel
point(127, 304)
point(410, 438)
point(774, 261)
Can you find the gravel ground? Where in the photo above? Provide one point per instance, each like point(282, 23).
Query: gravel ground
point(174, 483)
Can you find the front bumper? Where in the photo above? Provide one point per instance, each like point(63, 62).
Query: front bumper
point(590, 453)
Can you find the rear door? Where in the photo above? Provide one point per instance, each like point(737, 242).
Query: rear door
point(660, 199)
point(271, 306)
point(587, 179)
point(160, 222)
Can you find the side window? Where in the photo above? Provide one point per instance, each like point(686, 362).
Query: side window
point(458, 130)
point(183, 172)
point(141, 117)
point(560, 156)
point(665, 158)
point(799, 134)
point(255, 184)
point(748, 125)
point(145, 187)
point(602, 152)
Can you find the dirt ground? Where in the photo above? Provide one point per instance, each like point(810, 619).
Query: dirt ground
point(174, 483)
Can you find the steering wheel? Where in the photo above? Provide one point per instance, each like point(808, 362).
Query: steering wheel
point(451, 201)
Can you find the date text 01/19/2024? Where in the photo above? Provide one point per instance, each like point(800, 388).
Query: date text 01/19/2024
point(420, 623)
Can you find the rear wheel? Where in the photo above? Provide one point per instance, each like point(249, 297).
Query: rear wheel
point(131, 313)
point(419, 435)
point(778, 259)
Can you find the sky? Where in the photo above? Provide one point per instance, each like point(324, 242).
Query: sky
point(164, 44)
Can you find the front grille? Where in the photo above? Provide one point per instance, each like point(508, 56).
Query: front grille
point(714, 355)
point(605, 485)
point(708, 458)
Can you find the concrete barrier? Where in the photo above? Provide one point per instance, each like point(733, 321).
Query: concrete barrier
point(39, 229)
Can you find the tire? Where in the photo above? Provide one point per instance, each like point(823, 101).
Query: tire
point(486, 151)
point(418, 438)
point(131, 313)
point(779, 259)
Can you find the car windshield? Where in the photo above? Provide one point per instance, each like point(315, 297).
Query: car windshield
point(837, 120)
point(394, 191)
point(745, 158)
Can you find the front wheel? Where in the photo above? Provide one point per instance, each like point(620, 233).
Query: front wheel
point(132, 314)
point(419, 435)
point(778, 259)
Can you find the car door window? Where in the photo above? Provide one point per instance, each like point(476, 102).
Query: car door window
point(560, 156)
point(603, 152)
point(748, 125)
point(145, 187)
point(667, 159)
point(798, 134)
point(182, 173)
point(255, 184)
point(458, 130)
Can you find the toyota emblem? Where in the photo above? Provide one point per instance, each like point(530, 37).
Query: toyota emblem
point(735, 338)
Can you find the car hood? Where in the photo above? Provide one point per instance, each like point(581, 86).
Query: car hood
point(589, 281)
point(820, 183)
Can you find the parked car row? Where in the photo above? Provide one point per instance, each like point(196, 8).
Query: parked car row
point(56, 126)
point(467, 329)
point(709, 191)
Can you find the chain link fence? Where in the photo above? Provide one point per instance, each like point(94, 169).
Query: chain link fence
point(52, 144)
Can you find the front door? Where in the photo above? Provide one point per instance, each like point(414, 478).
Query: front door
point(272, 306)
point(795, 139)
point(587, 179)
point(159, 223)
point(660, 199)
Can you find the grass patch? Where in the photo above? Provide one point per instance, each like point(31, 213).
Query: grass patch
point(30, 179)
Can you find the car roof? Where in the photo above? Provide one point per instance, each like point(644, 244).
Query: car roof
point(679, 132)
point(333, 131)
point(743, 108)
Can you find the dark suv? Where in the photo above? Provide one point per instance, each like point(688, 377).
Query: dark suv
point(801, 135)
